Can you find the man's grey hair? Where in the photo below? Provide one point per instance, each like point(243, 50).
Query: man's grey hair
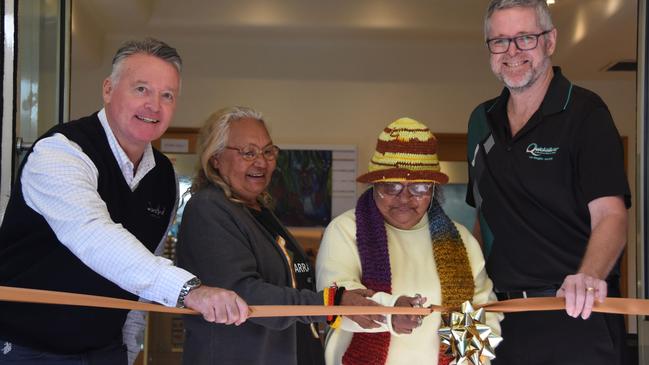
point(148, 46)
point(543, 17)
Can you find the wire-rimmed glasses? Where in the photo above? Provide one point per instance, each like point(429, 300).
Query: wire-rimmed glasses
point(251, 152)
point(393, 189)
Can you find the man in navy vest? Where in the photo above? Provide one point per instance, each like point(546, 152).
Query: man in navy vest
point(91, 203)
point(547, 176)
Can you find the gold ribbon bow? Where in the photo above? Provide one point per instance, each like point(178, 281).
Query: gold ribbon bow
point(467, 337)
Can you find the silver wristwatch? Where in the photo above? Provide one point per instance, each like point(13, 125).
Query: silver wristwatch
point(191, 284)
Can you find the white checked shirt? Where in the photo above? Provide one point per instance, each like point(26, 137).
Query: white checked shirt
point(60, 182)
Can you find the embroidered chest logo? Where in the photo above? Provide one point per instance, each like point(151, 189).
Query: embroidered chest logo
point(536, 152)
point(156, 211)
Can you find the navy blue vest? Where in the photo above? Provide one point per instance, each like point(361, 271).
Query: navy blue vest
point(32, 257)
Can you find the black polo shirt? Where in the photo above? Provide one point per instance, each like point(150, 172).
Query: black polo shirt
point(536, 186)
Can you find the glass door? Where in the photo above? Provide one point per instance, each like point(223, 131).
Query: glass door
point(8, 21)
point(35, 89)
point(42, 57)
point(643, 181)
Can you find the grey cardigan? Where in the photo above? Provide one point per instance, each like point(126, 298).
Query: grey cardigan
point(224, 245)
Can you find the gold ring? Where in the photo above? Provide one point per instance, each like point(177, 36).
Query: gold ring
point(590, 288)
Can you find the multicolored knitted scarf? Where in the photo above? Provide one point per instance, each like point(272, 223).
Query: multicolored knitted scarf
point(451, 259)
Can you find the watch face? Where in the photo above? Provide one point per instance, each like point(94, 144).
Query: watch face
point(194, 282)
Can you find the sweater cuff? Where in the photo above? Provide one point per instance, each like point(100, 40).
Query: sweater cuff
point(388, 300)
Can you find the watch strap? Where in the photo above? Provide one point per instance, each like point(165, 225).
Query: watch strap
point(191, 284)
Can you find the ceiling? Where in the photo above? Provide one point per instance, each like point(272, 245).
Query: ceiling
point(593, 34)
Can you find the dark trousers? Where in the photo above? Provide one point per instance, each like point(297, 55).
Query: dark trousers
point(10, 353)
point(309, 349)
point(554, 338)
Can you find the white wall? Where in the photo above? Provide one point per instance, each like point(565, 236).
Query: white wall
point(342, 92)
point(322, 91)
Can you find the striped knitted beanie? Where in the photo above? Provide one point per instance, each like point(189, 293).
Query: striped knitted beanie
point(405, 151)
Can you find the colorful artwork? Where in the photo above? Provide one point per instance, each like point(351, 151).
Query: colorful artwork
point(301, 187)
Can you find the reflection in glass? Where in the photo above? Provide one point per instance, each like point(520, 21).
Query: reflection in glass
point(38, 71)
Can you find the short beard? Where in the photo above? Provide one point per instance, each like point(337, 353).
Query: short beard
point(530, 78)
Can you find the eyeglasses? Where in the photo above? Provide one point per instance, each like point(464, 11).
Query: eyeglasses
point(392, 189)
point(251, 152)
point(523, 42)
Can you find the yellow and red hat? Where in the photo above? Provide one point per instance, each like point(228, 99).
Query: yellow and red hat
point(405, 151)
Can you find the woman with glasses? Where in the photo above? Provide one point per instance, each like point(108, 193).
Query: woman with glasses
point(229, 236)
point(400, 243)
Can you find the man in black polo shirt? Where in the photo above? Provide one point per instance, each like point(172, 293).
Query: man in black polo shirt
point(548, 181)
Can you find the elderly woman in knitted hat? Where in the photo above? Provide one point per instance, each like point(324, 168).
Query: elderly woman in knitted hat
point(400, 243)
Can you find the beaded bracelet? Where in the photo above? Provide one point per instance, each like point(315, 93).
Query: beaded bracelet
point(339, 295)
point(336, 323)
point(329, 300)
point(332, 296)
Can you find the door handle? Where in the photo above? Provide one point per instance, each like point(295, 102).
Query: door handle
point(22, 146)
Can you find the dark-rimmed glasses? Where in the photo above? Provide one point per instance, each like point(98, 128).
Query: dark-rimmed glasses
point(251, 152)
point(392, 189)
point(523, 42)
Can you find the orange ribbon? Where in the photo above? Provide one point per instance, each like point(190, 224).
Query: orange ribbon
point(610, 305)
